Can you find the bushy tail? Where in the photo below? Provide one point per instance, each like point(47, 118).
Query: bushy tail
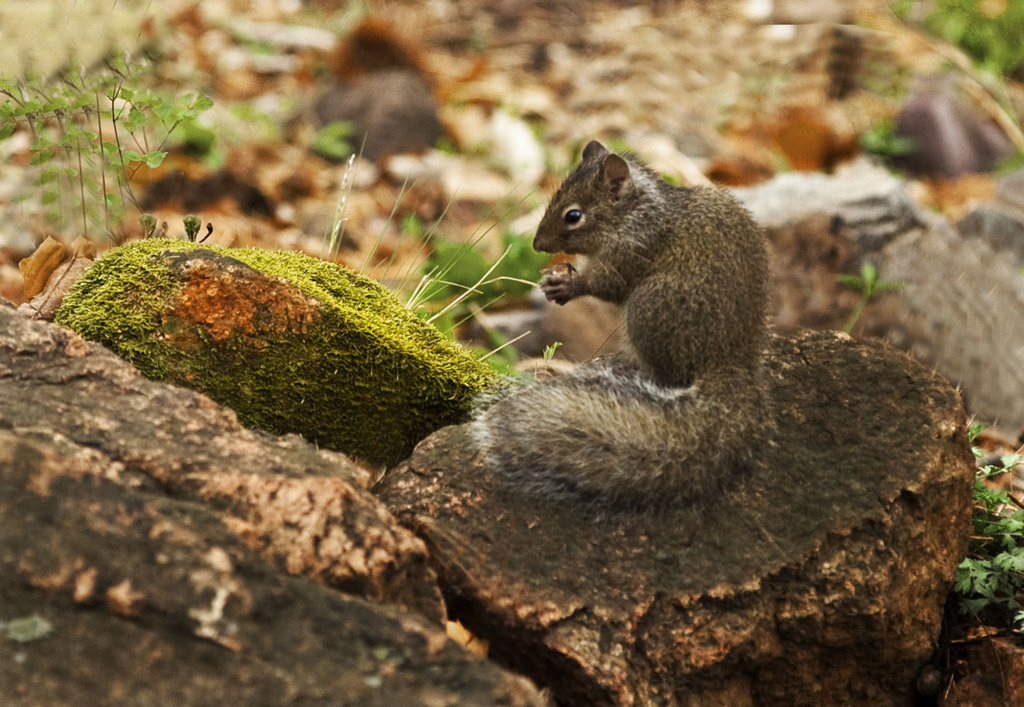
point(609, 435)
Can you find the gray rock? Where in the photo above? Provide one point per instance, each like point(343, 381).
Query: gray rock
point(394, 109)
point(1000, 227)
point(1001, 222)
point(961, 304)
point(950, 137)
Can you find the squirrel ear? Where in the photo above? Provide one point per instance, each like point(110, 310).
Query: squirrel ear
point(593, 149)
point(614, 174)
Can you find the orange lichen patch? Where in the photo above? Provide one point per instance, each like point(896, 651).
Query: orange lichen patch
point(306, 523)
point(77, 464)
point(85, 585)
point(48, 470)
point(123, 600)
point(48, 578)
point(231, 302)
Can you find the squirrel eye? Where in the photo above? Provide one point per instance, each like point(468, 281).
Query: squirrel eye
point(573, 216)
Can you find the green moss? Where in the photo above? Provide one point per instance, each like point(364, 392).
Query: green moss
point(330, 355)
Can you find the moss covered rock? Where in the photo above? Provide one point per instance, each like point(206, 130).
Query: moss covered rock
point(291, 343)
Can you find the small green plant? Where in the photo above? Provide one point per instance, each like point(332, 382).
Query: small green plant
point(457, 282)
point(334, 141)
point(149, 225)
point(91, 133)
point(881, 139)
point(550, 349)
point(990, 31)
point(446, 145)
point(192, 225)
point(992, 574)
point(869, 286)
point(464, 267)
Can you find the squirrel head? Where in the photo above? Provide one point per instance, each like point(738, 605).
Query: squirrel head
point(582, 215)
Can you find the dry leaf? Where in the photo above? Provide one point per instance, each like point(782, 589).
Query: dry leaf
point(46, 303)
point(82, 246)
point(458, 633)
point(37, 268)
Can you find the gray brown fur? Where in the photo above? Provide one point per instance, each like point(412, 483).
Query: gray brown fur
point(686, 406)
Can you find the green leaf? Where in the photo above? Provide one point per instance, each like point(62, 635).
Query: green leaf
point(456, 263)
point(869, 274)
point(202, 103)
point(7, 129)
point(135, 119)
point(48, 175)
point(27, 107)
point(154, 159)
point(54, 104)
point(333, 141)
point(1011, 460)
point(80, 101)
point(412, 226)
point(164, 111)
point(198, 140)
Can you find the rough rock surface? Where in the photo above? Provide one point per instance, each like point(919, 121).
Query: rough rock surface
point(1001, 221)
point(147, 543)
point(139, 598)
point(996, 676)
point(959, 308)
point(305, 507)
point(818, 579)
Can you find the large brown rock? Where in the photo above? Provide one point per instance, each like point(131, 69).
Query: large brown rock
point(148, 547)
point(115, 593)
point(308, 508)
point(817, 579)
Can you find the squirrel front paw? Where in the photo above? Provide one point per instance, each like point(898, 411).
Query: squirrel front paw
point(559, 283)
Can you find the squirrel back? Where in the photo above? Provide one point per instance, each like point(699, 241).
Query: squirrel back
point(685, 405)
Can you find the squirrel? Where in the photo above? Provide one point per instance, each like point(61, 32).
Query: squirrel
point(684, 407)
